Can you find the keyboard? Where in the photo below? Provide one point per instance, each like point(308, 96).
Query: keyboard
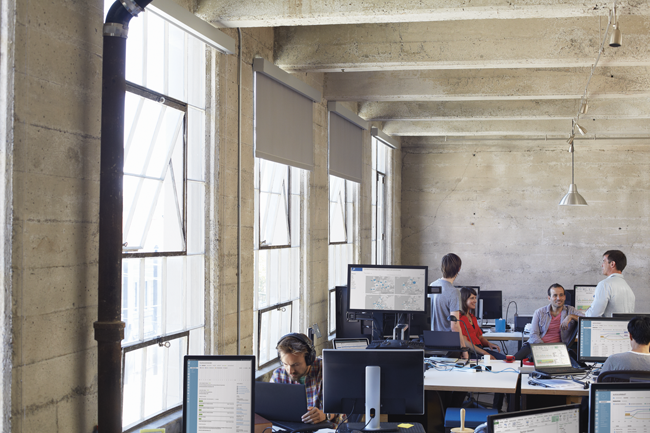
point(395, 344)
point(561, 371)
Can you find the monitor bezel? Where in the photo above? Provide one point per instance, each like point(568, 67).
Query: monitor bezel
point(629, 316)
point(506, 415)
point(188, 358)
point(615, 386)
point(599, 359)
point(370, 310)
point(374, 358)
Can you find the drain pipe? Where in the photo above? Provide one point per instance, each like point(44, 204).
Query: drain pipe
point(109, 328)
point(239, 68)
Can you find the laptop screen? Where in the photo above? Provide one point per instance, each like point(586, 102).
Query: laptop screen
point(350, 343)
point(615, 407)
point(218, 393)
point(550, 355)
point(565, 419)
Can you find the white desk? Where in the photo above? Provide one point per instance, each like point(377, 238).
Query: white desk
point(484, 381)
point(527, 389)
point(503, 336)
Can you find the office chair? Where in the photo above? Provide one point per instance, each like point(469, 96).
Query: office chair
point(624, 376)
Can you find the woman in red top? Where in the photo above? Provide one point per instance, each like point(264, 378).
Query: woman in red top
point(481, 344)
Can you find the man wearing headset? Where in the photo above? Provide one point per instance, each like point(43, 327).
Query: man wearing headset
point(300, 366)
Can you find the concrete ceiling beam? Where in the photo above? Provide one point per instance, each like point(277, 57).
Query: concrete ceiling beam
point(546, 109)
point(486, 128)
point(524, 43)
point(488, 84)
point(274, 13)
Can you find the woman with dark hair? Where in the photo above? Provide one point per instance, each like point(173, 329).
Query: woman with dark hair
point(481, 344)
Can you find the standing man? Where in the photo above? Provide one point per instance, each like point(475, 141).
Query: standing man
point(300, 366)
point(553, 323)
point(448, 302)
point(613, 295)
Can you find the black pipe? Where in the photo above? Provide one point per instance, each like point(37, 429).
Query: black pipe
point(109, 328)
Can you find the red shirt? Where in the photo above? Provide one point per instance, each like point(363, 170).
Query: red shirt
point(553, 333)
point(474, 329)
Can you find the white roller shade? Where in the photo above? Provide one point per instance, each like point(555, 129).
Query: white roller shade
point(346, 146)
point(283, 124)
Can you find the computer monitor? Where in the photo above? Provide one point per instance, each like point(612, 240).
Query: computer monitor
point(218, 393)
point(347, 380)
point(619, 407)
point(629, 316)
point(387, 289)
point(491, 304)
point(583, 296)
point(600, 337)
point(570, 297)
point(565, 419)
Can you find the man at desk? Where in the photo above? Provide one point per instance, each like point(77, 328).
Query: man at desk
point(300, 366)
point(447, 302)
point(639, 357)
point(553, 323)
point(613, 294)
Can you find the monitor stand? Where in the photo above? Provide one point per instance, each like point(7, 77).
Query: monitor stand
point(373, 401)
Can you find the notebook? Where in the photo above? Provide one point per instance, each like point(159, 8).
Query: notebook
point(284, 405)
point(553, 359)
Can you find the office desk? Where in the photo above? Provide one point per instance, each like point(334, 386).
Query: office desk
point(573, 395)
point(484, 381)
point(505, 336)
point(502, 336)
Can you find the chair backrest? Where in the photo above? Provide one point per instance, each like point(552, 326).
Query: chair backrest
point(624, 376)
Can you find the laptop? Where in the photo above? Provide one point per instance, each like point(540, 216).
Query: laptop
point(284, 405)
point(350, 343)
point(441, 340)
point(564, 419)
point(553, 359)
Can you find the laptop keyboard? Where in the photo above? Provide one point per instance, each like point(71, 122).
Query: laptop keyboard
point(562, 370)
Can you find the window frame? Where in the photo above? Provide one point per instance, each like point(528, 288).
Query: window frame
point(288, 204)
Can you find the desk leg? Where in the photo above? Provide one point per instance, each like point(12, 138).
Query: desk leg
point(516, 397)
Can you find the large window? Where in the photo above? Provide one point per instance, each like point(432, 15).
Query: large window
point(163, 280)
point(278, 213)
point(379, 236)
point(343, 236)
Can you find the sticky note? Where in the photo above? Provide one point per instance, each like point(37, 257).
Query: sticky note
point(405, 425)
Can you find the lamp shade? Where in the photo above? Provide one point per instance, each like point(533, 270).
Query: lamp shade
point(573, 197)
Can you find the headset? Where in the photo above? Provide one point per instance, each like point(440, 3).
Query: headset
point(310, 356)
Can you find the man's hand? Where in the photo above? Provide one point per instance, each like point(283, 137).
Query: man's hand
point(313, 416)
point(566, 322)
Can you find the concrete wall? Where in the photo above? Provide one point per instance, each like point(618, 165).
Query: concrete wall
point(58, 49)
point(495, 204)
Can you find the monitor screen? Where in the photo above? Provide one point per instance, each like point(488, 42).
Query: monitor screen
point(599, 337)
point(565, 419)
point(619, 407)
point(401, 383)
point(583, 296)
point(218, 393)
point(491, 304)
point(398, 289)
